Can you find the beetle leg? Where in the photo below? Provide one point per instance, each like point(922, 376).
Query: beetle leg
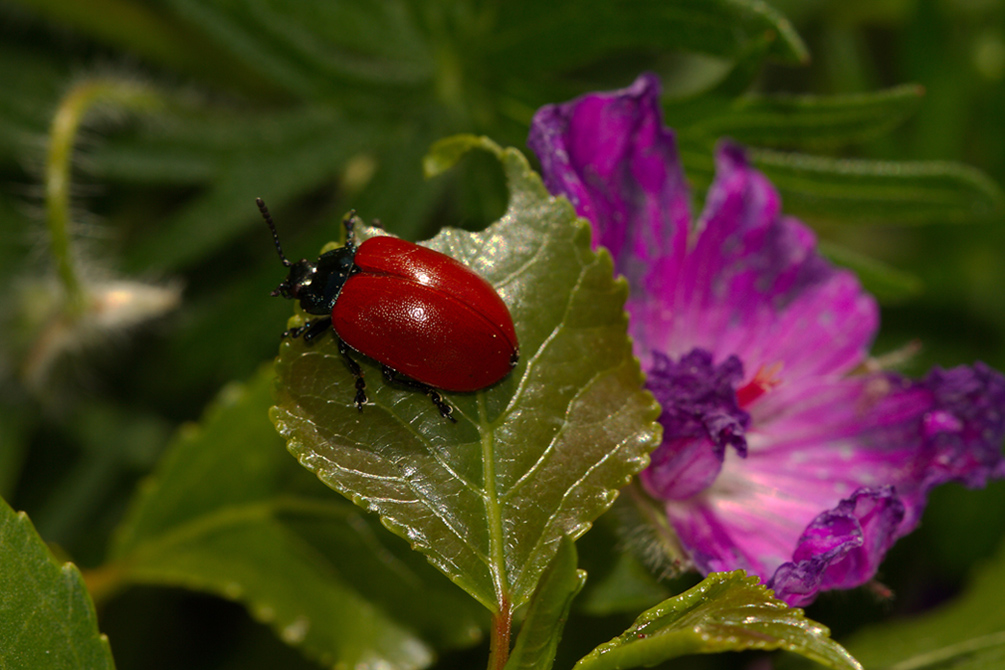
point(311, 330)
point(354, 368)
point(446, 411)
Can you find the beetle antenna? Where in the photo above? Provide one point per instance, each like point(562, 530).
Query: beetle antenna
point(349, 221)
point(275, 235)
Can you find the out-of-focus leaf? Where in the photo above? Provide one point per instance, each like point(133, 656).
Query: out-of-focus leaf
point(230, 513)
point(888, 284)
point(881, 191)
point(285, 157)
point(546, 36)
point(47, 619)
point(32, 84)
point(315, 49)
point(719, 98)
point(966, 634)
point(548, 610)
point(628, 586)
point(157, 35)
point(865, 191)
point(13, 448)
point(798, 121)
point(727, 612)
point(398, 170)
point(534, 458)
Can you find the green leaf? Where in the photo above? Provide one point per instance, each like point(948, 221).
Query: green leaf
point(564, 35)
point(881, 191)
point(47, 619)
point(727, 612)
point(13, 447)
point(888, 284)
point(865, 191)
point(150, 31)
point(314, 49)
point(230, 513)
point(799, 121)
point(628, 586)
point(534, 458)
point(643, 554)
point(296, 152)
point(547, 613)
point(446, 153)
point(29, 97)
point(966, 634)
point(683, 113)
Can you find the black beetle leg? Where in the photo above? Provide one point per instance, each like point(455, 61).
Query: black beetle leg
point(311, 330)
point(353, 366)
point(392, 376)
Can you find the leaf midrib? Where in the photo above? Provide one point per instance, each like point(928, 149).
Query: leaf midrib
point(493, 512)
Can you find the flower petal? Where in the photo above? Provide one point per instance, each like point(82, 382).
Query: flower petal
point(754, 286)
point(611, 156)
point(818, 442)
point(961, 430)
point(842, 548)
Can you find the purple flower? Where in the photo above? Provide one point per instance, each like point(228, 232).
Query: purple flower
point(782, 454)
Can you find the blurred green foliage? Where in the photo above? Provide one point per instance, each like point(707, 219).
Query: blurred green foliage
point(874, 117)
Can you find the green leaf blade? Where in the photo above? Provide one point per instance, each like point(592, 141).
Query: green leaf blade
point(534, 458)
point(541, 630)
point(564, 35)
point(726, 612)
point(888, 284)
point(862, 191)
point(230, 513)
point(252, 558)
point(881, 191)
point(804, 121)
point(965, 634)
point(319, 50)
point(47, 619)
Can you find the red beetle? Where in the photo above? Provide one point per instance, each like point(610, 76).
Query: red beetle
point(429, 320)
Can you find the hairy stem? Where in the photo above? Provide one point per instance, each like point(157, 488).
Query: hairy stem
point(62, 135)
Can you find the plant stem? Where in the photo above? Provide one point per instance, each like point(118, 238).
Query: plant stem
point(502, 623)
point(62, 136)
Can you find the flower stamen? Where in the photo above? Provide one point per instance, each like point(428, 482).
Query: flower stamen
point(767, 378)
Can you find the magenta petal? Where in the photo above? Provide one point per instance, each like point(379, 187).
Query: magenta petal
point(958, 433)
point(818, 442)
point(681, 468)
point(754, 286)
point(709, 542)
point(842, 548)
point(966, 423)
point(611, 156)
point(884, 429)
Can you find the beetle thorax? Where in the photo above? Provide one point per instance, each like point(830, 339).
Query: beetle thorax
point(317, 285)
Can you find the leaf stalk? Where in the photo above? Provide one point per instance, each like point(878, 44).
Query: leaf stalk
point(502, 624)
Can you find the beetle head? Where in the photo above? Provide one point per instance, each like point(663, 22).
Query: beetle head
point(316, 285)
point(300, 279)
point(301, 276)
